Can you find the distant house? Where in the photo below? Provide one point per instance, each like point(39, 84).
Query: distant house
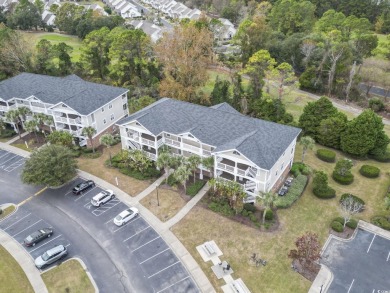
point(97, 8)
point(227, 31)
point(72, 102)
point(48, 18)
point(155, 32)
point(255, 153)
point(6, 4)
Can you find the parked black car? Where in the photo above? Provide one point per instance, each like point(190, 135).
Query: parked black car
point(83, 186)
point(282, 191)
point(37, 236)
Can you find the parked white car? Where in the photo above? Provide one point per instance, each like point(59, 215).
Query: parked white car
point(102, 197)
point(125, 216)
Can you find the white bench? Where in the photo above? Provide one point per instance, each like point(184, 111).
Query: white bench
point(209, 248)
point(237, 288)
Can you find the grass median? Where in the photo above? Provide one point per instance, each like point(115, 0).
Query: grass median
point(68, 277)
point(12, 277)
point(7, 211)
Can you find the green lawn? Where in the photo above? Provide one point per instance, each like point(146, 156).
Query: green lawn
point(56, 38)
point(7, 211)
point(378, 52)
point(68, 277)
point(12, 277)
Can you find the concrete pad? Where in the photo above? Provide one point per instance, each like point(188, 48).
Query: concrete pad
point(205, 254)
point(219, 272)
point(235, 286)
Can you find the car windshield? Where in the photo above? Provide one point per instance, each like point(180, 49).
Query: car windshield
point(42, 231)
point(118, 218)
point(103, 193)
point(45, 256)
point(29, 238)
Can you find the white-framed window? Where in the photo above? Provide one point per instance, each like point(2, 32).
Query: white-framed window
point(167, 135)
point(292, 149)
point(236, 153)
point(110, 106)
point(112, 117)
point(103, 109)
point(93, 117)
point(104, 121)
point(276, 174)
point(123, 96)
point(124, 106)
point(281, 167)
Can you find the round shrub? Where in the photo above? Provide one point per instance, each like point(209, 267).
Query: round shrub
point(369, 171)
point(355, 198)
point(382, 222)
point(376, 104)
point(250, 207)
point(352, 224)
point(325, 193)
point(344, 180)
point(269, 215)
point(337, 226)
point(326, 155)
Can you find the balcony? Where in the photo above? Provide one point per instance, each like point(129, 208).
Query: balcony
point(150, 155)
point(148, 142)
point(171, 142)
point(225, 167)
point(191, 148)
point(206, 153)
point(3, 108)
point(38, 109)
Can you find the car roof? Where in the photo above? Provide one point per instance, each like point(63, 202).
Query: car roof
point(99, 195)
point(55, 249)
point(125, 213)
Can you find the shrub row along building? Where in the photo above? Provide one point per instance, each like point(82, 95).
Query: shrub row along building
point(72, 102)
point(255, 153)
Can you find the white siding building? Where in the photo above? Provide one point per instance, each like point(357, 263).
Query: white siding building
point(255, 153)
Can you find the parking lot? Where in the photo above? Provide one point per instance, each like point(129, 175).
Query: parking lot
point(9, 162)
point(359, 265)
point(139, 245)
point(23, 222)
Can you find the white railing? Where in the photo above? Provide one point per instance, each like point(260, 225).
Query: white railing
point(172, 142)
point(133, 136)
point(3, 108)
point(225, 167)
point(252, 172)
point(191, 147)
point(75, 121)
point(160, 142)
point(206, 153)
point(147, 141)
point(12, 107)
point(62, 119)
point(150, 155)
point(38, 109)
point(240, 172)
point(250, 185)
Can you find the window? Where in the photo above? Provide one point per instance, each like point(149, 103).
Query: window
point(110, 106)
point(136, 123)
point(167, 135)
point(124, 106)
point(93, 117)
point(104, 121)
point(284, 153)
point(236, 153)
point(276, 174)
point(123, 96)
point(112, 117)
point(103, 109)
point(281, 167)
point(292, 149)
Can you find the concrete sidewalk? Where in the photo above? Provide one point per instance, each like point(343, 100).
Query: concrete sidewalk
point(24, 260)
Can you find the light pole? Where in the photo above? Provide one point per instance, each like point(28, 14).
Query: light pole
point(158, 200)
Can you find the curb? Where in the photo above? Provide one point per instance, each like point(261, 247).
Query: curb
point(6, 206)
point(81, 262)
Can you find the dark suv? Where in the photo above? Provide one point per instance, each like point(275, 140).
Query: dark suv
point(83, 186)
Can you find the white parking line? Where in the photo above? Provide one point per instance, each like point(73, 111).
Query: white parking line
point(388, 256)
point(81, 196)
point(136, 233)
point(110, 220)
point(45, 243)
point(26, 228)
point(350, 287)
point(17, 221)
point(173, 284)
point(68, 192)
point(133, 220)
point(165, 269)
point(145, 244)
point(67, 245)
point(5, 153)
point(371, 243)
point(153, 256)
point(14, 165)
point(103, 209)
point(2, 163)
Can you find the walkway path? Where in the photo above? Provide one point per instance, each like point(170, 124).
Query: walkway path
point(162, 228)
point(16, 138)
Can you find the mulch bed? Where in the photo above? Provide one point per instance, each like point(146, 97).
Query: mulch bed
point(346, 234)
point(309, 274)
point(32, 140)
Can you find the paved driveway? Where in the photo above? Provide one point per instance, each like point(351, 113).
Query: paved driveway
point(359, 265)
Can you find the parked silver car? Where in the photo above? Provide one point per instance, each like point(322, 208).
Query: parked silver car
point(51, 256)
point(102, 197)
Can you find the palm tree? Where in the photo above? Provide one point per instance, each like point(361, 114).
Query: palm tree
point(164, 161)
point(208, 163)
point(307, 143)
point(2, 125)
point(31, 126)
point(23, 112)
point(267, 201)
point(49, 121)
point(89, 131)
point(13, 117)
point(193, 163)
point(108, 140)
point(182, 174)
point(139, 161)
point(43, 119)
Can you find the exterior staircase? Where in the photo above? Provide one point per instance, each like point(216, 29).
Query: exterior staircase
point(251, 172)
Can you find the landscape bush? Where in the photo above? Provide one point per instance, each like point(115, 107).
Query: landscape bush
point(269, 215)
point(76, 153)
point(369, 171)
point(221, 207)
point(376, 104)
point(385, 157)
point(92, 155)
point(172, 180)
point(87, 150)
point(299, 168)
point(326, 155)
point(294, 192)
point(150, 173)
point(337, 226)
point(194, 188)
point(250, 207)
point(7, 133)
point(382, 222)
point(321, 188)
point(344, 180)
point(355, 198)
point(351, 224)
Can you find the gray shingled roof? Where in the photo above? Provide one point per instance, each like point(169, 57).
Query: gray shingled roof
point(225, 107)
point(83, 96)
point(260, 141)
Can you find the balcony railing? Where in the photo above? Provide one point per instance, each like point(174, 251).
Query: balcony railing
point(225, 167)
point(191, 148)
point(148, 142)
point(62, 119)
point(171, 142)
point(150, 155)
point(206, 153)
point(160, 142)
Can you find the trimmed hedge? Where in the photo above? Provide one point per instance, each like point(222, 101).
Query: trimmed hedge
point(250, 207)
point(149, 173)
point(385, 158)
point(294, 192)
point(344, 180)
point(326, 155)
point(7, 133)
point(382, 222)
point(325, 193)
point(337, 226)
point(194, 188)
point(299, 168)
point(355, 198)
point(269, 215)
point(351, 224)
point(369, 171)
